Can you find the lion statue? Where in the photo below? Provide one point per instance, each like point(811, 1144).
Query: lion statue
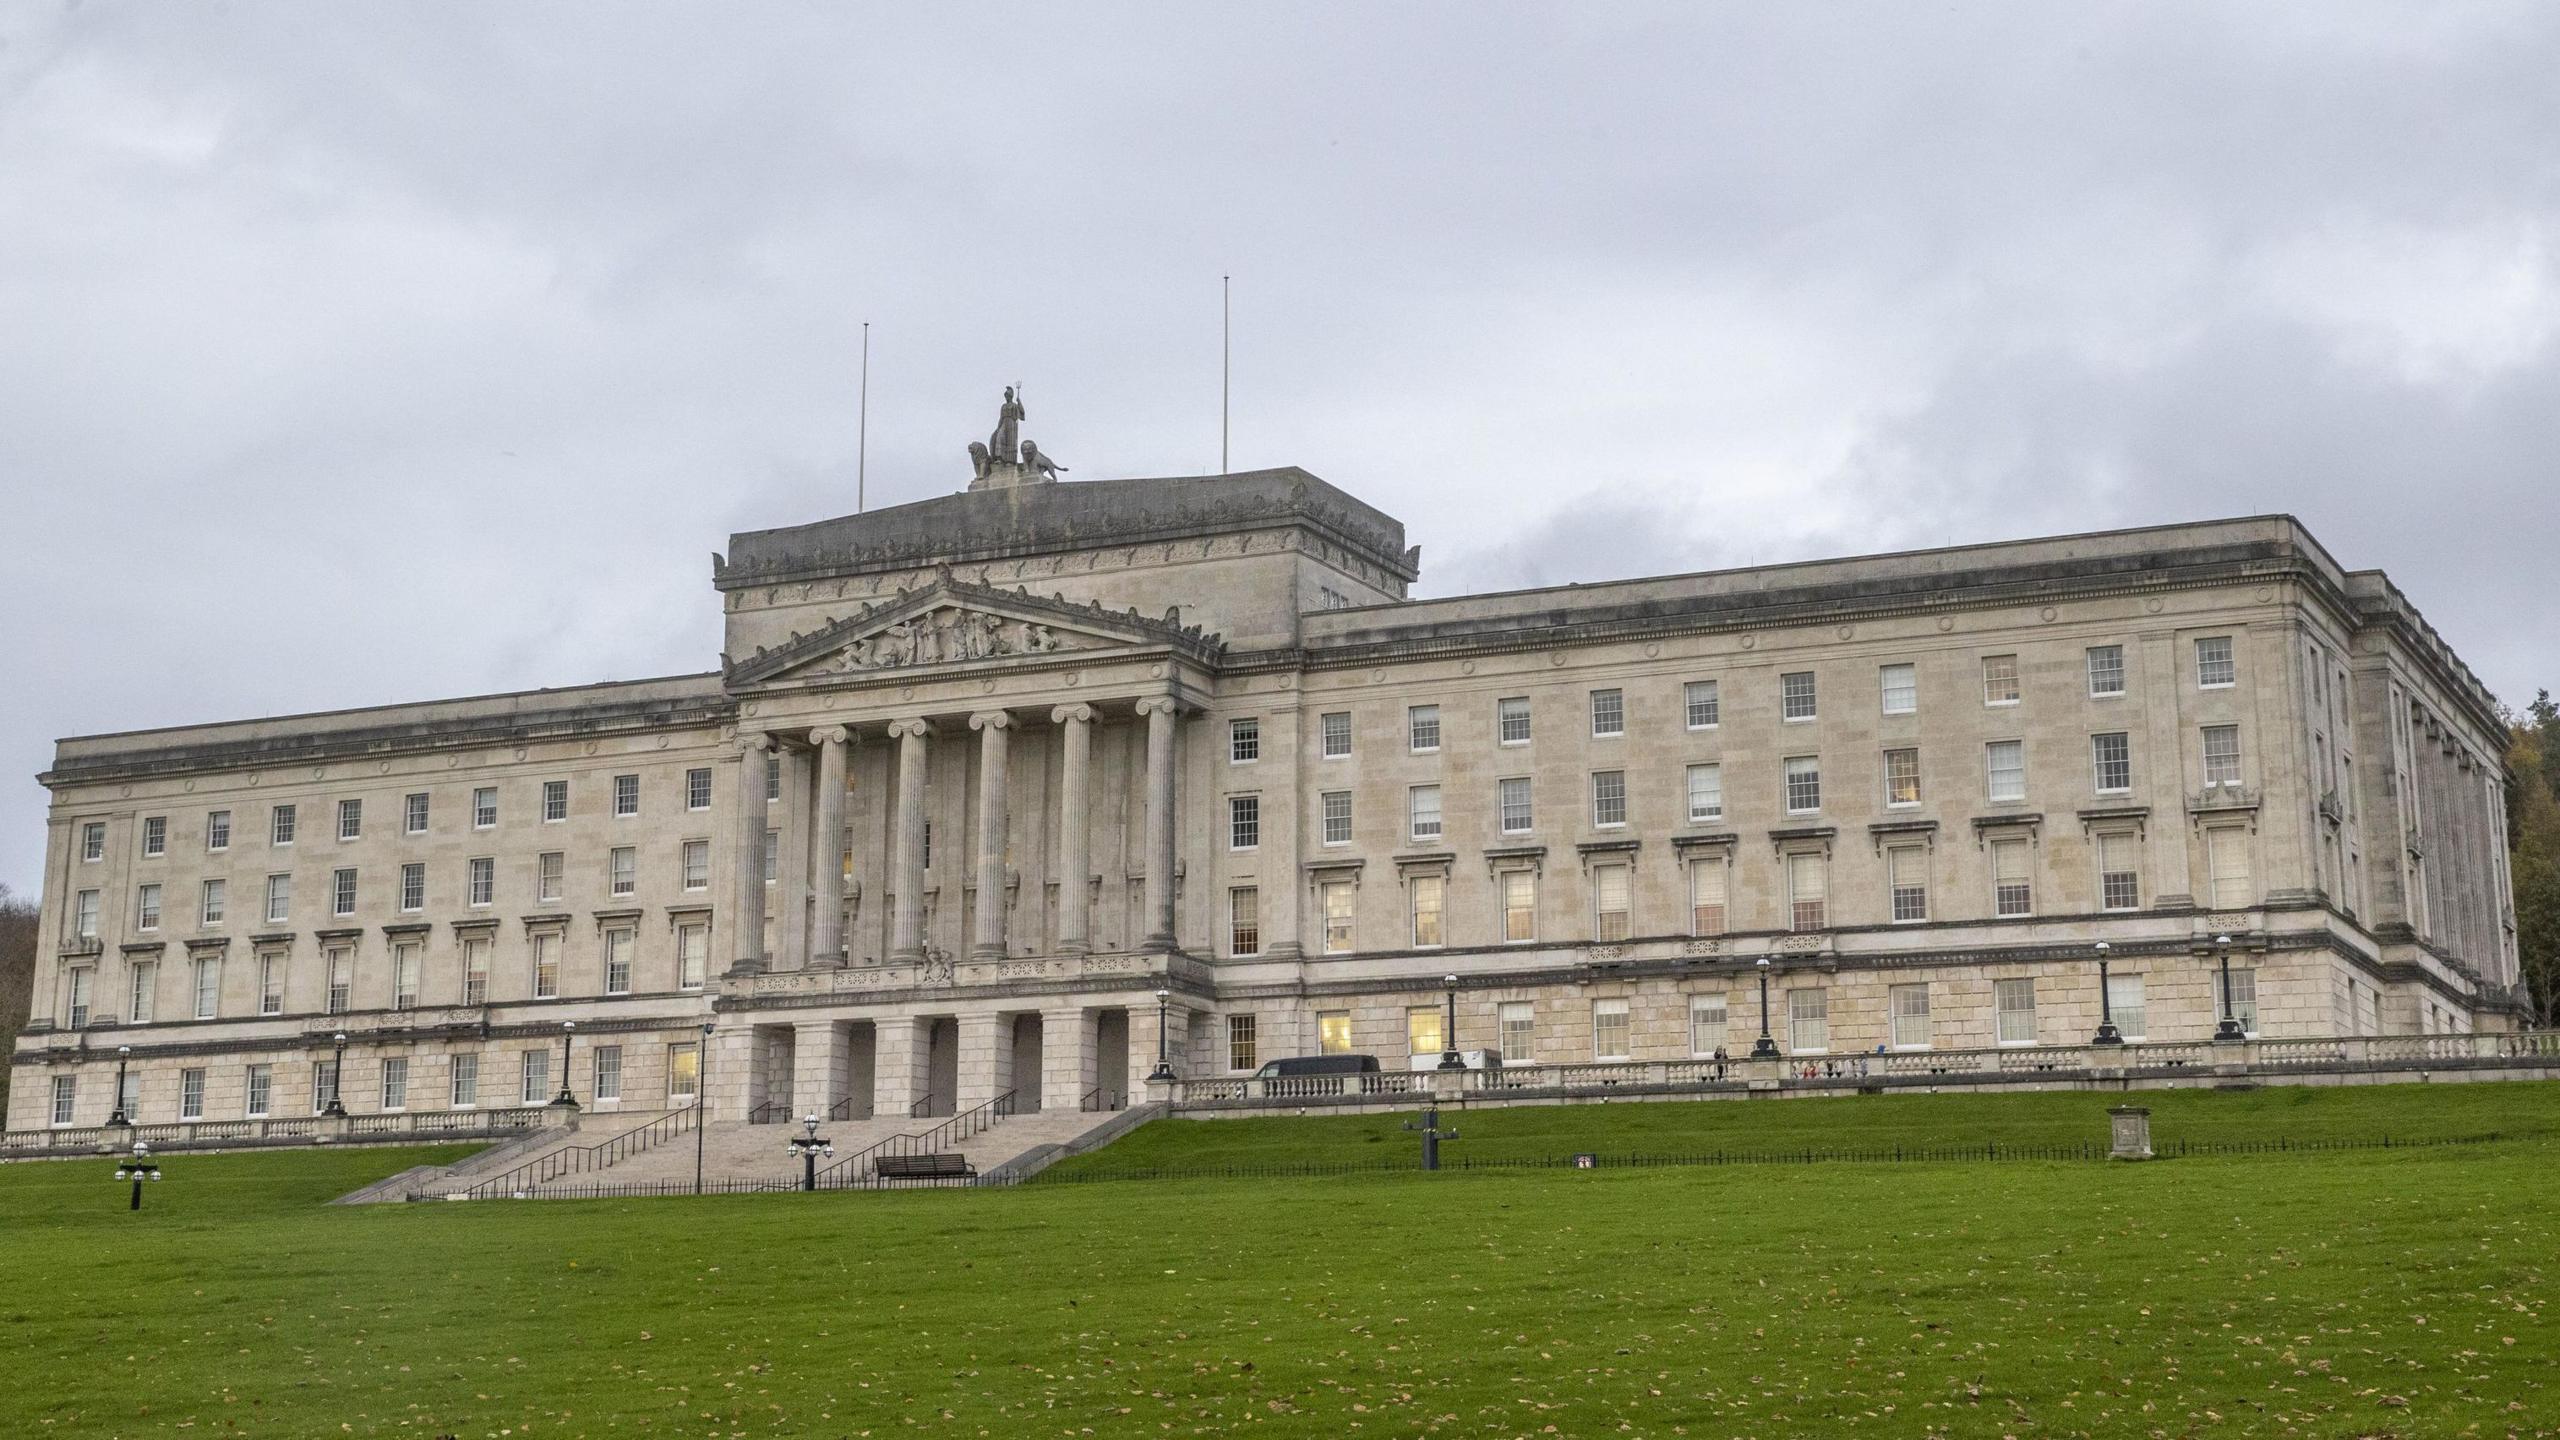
point(980, 458)
point(1039, 464)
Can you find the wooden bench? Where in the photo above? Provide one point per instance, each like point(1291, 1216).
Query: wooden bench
point(924, 1167)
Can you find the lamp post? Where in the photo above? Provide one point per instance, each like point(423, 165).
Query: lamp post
point(806, 1148)
point(2229, 1031)
point(1766, 1047)
point(123, 1053)
point(1163, 1073)
point(568, 1032)
point(138, 1169)
point(701, 1095)
point(2107, 1034)
point(1450, 1059)
point(337, 1107)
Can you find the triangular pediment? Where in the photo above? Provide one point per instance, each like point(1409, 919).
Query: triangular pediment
point(953, 622)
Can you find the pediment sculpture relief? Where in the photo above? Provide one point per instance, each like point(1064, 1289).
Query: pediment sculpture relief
point(951, 633)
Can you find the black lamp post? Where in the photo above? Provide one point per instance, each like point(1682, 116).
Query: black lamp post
point(1432, 1135)
point(701, 1096)
point(138, 1169)
point(337, 1109)
point(2107, 1034)
point(123, 1053)
point(1450, 1059)
point(568, 1032)
point(806, 1148)
point(2229, 1031)
point(1766, 1047)
point(1163, 1073)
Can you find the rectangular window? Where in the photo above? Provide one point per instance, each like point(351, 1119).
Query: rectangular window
point(280, 824)
point(2106, 670)
point(1337, 816)
point(341, 963)
point(1901, 777)
point(1336, 895)
point(2244, 999)
point(404, 976)
point(693, 954)
point(772, 787)
point(1706, 1025)
point(555, 799)
point(1519, 906)
point(1244, 920)
point(546, 966)
point(536, 1088)
point(2119, 882)
point(484, 807)
point(413, 887)
point(1608, 798)
point(1422, 1030)
point(2222, 757)
point(342, 892)
point(2112, 757)
point(84, 915)
point(2015, 1001)
point(1809, 1021)
point(1244, 740)
point(1244, 822)
point(2005, 766)
point(466, 1082)
point(1336, 731)
point(1333, 1032)
point(83, 988)
point(1608, 713)
point(261, 1092)
point(2226, 849)
point(772, 858)
point(1795, 695)
point(2215, 667)
point(1609, 1030)
point(1906, 870)
point(1999, 679)
point(1804, 784)
point(550, 868)
point(1512, 798)
point(155, 836)
point(2012, 892)
point(215, 893)
point(1707, 889)
point(413, 814)
point(191, 1094)
point(208, 988)
point(1511, 720)
point(1422, 810)
point(1519, 1032)
point(693, 862)
point(1699, 701)
point(144, 980)
point(65, 1099)
point(1241, 1052)
point(395, 1082)
point(146, 908)
point(1429, 895)
point(217, 830)
point(617, 962)
point(93, 841)
point(279, 899)
point(2124, 1002)
point(271, 984)
point(697, 788)
point(1900, 685)
point(1910, 1017)
point(481, 883)
point(350, 819)
point(626, 796)
point(1706, 792)
point(1422, 729)
point(1807, 907)
point(622, 864)
point(324, 1084)
point(1609, 922)
point(475, 971)
point(684, 1072)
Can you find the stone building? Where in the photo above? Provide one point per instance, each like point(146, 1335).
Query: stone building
point(986, 783)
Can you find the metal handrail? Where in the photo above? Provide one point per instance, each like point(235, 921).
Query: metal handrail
point(576, 1158)
point(973, 1121)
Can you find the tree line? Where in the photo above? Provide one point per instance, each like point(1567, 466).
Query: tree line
point(2533, 842)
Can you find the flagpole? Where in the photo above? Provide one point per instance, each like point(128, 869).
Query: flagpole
point(1226, 323)
point(862, 429)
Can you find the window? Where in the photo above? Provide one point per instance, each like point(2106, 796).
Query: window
point(93, 841)
point(2106, 670)
point(2215, 667)
point(65, 1098)
point(772, 854)
point(84, 915)
point(217, 830)
point(622, 865)
point(1901, 777)
point(693, 954)
point(2244, 999)
point(1241, 1052)
point(684, 1071)
point(216, 892)
point(1699, 697)
point(617, 962)
point(1244, 740)
point(466, 1082)
point(626, 796)
point(404, 976)
point(1244, 821)
point(2015, 1002)
point(413, 814)
point(1429, 895)
point(2226, 849)
point(413, 887)
point(1519, 906)
point(2124, 1003)
point(2005, 766)
point(2119, 883)
point(1804, 784)
point(1608, 798)
point(1795, 695)
point(2112, 757)
point(1805, 891)
point(484, 806)
point(1906, 870)
point(1608, 713)
point(1336, 731)
point(1706, 792)
point(555, 795)
point(1513, 798)
point(271, 983)
point(1706, 1024)
point(1707, 888)
point(1337, 816)
point(144, 980)
point(261, 1091)
point(280, 825)
point(1333, 1032)
point(1422, 729)
point(546, 966)
point(2222, 757)
point(1336, 895)
point(191, 1094)
point(395, 1082)
point(693, 862)
point(1808, 1021)
point(772, 787)
point(1910, 1017)
point(1609, 1030)
point(83, 986)
point(1901, 687)
point(155, 836)
point(1511, 720)
point(146, 907)
point(481, 884)
point(550, 867)
point(1609, 903)
point(697, 788)
point(475, 971)
point(1423, 1034)
point(1999, 679)
point(208, 987)
point(1519, 1032)
point(537, 1077)
point(341, 962)
point(350, 819)
point(1422, 808)
point(324, 1084)
point(1244, 920)
point(279, 899)
point(2012, 892)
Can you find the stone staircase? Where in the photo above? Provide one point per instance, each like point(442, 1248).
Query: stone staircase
point(736, 1154)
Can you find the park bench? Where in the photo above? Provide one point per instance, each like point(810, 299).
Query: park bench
point(923, 1167)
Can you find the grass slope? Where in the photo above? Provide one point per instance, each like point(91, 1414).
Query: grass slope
point(2401, 1293)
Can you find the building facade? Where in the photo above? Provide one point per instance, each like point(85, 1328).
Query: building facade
point(986, 784)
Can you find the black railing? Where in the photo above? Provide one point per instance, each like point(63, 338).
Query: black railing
point(857, 1167)
point(771, 1112)
point(841, 1110)
point(577, 1158)
point(1100, 1100)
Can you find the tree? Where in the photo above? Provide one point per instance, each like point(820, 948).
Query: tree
point(2533, 845)
point(17, 973)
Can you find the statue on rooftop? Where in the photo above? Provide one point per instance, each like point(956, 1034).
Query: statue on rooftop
point(1008, 436)
point(1037, 463)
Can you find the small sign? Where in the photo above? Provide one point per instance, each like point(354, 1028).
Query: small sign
point(1586, 1162)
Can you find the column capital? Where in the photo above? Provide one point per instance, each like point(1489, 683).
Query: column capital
point(1079, 712)
point(830, 735)
point(901, 729)
point(754, 741)
point(1154, 704)
point(991, 720)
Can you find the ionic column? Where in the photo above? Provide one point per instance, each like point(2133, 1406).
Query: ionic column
point(791, 870)
point(994, 729)
point(826, 941)
point(1074, 899)
point(1159, 892)
point(906, 859)
point(746, 924)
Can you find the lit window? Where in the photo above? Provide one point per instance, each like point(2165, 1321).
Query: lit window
point(2214, 664)
point(1429, 894)
point(1423, 1034)
point(1700, 698)
point(1795, 695)
point(1333, 1032)
point(1901, 687)
point(1423, 803)
point(1241, 1054)
point(2106, 670)
point(1244, 741)
point(1336, 895)
point(1999, 679)
point(1609, 903)
point(1804, 784)
point(1244, 821)
point(1337, 816)
point(1608, 713)
point(2112, 757)
point(1512, 796)
point(1902, 777)
point(1336, 732)
point(1244, 921)
point(1609, 798)
point(1422, 728)
point(1511, 718)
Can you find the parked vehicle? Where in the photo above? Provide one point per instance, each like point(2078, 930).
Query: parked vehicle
point(1476, 1060)
point(1293, 1066)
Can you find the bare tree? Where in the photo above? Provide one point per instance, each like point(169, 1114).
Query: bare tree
point(17, 973)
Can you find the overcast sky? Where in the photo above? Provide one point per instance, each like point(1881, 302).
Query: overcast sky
point(361, 353)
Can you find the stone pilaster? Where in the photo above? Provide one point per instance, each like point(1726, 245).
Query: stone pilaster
point(899, 1050)
point(986, 1059)
point(818, 1060)
point(1066, 1057)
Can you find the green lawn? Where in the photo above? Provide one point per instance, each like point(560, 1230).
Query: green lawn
point(2351, 1293)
